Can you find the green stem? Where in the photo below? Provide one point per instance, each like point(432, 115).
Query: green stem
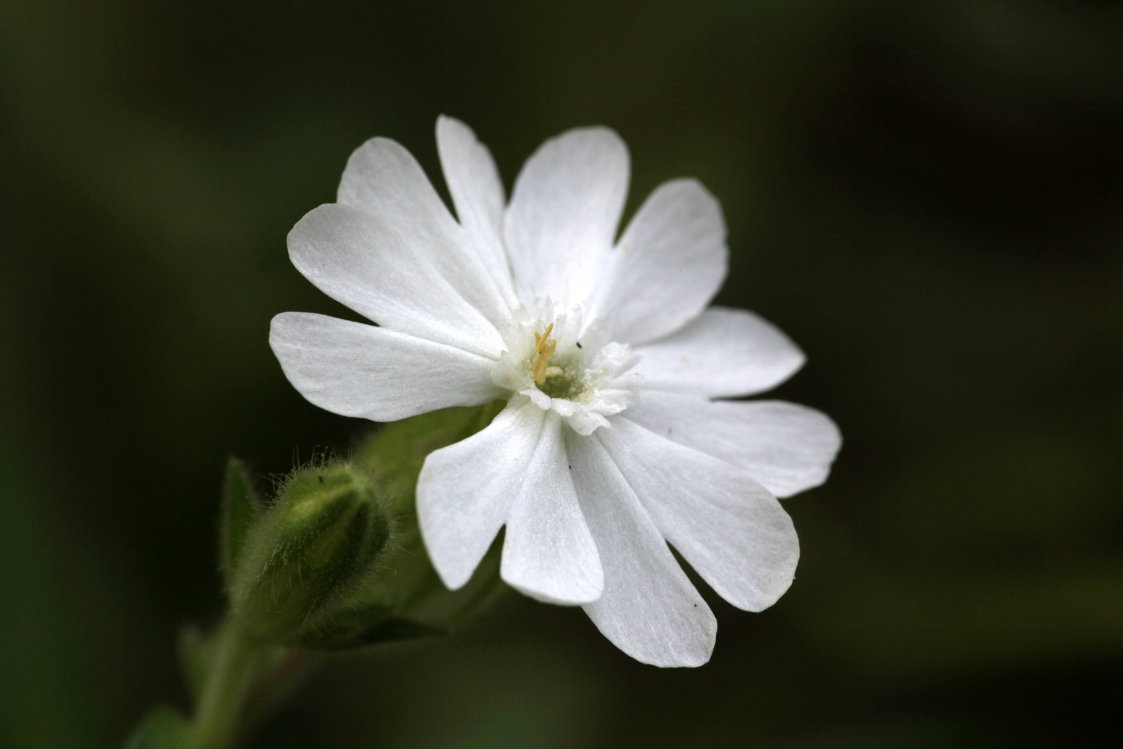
point(276, 684)
point(236, 663)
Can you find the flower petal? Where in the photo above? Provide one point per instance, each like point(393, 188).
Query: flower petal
point(477, 192)
point(355, 369)
point(548, 552)
point(649, 608)
point(723, 353)
point(463, 495)
point(729, 528)
point(383, 179)
point(667, 266)
point(386, 276)
point(513, 471)
point(564, 213)
point(786, 447)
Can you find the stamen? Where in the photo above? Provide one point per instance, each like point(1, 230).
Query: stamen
point(544, 348)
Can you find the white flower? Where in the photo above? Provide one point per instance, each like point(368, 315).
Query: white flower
point(611, 444)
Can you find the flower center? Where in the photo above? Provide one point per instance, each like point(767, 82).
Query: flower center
point(556, 376)
point(585, 381)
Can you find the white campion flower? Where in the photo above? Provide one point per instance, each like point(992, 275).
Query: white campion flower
point(613, 442)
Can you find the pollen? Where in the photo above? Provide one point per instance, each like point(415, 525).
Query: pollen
point(544, 348)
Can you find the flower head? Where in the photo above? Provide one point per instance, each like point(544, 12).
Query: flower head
point(613, 442)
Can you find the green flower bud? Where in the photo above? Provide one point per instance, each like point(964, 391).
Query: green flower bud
point(303, 557)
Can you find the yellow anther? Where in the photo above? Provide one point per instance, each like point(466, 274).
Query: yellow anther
point(544, 348)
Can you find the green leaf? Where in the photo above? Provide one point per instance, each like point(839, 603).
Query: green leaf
point(164, 728)
point(195, 651)
point(240, 508)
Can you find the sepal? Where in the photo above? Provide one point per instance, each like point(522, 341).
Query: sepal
point(397, 450)
point(362, 627)
point(415, 593)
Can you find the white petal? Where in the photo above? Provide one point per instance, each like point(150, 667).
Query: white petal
point(729, 528)
point(667, 266)
point(649, 608)
point(386, 276)
point(354, 369)
point(548, 552)
point(786, 447)
point(463, 495)
point(724, 352)
point(508, 472)
point(383, 179)
point(563, 215)
point(477, 192)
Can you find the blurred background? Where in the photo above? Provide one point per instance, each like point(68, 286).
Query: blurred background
point(925, 196)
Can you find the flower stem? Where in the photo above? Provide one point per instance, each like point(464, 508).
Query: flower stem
point(235, 664)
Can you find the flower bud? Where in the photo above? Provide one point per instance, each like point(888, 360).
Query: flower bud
point(307, 553)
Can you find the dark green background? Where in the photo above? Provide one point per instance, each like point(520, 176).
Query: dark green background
point(927, 199)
